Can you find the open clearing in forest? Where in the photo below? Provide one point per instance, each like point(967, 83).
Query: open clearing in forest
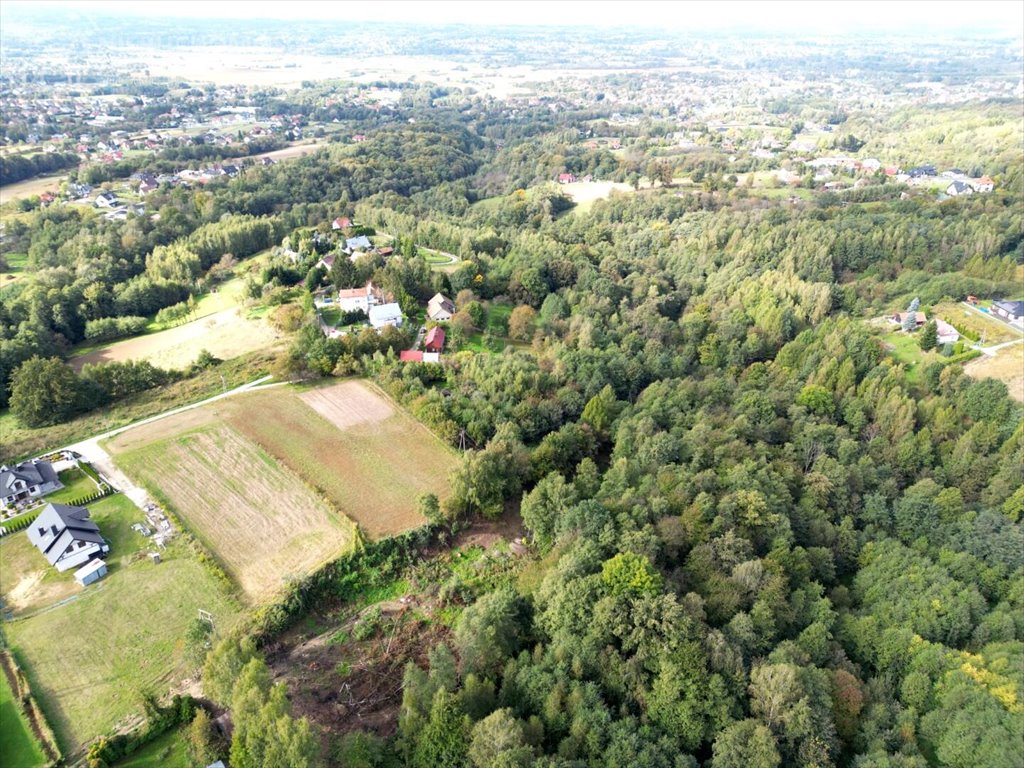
point(263, 524)
point(584, 193)
point(225, 335)
point(88, 658)
point(1007, 365)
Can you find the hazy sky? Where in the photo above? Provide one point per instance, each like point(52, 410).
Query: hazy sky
point(832, 16)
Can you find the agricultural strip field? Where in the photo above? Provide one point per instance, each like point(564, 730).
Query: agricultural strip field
point(89, 658)
point(264, 525)
point(17, 743)
point(225, 334)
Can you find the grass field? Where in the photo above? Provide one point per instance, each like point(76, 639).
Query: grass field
point(263, 523)
point(167, 751)
point(88, 659)
point(584, 193)
point(225, 334)
point(19, 745)
point(906, 349)
point(1007, 366)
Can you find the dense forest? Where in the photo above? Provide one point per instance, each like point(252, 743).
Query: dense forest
point(756, 542)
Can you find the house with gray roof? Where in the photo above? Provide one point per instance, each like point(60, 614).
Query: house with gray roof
point(66, 536)
point(360, 243)
point(27, 480)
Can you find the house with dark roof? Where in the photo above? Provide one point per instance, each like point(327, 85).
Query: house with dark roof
point(957, 188)
point(1008, 310)
point(27, 480)
point(66, 536)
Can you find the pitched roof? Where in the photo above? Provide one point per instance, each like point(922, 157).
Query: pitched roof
point(1013, 307)
point(410, 356)
point(435, 337)
point(33, 473)
point(58, 525)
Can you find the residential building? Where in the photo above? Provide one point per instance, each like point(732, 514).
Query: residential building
point(957, 188)
point(434, 341)
point(361, 243)
point(947, 334)
point(1008, 310)
point(27, 480)
point(351, 299)
point(440, 308)
point(383, 315)
point(66, 536)
point(919, 318)
point(984, 184)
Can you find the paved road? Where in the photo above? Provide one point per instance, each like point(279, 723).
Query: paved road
point(92, 452)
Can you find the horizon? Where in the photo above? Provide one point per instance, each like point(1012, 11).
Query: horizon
point(781, 17)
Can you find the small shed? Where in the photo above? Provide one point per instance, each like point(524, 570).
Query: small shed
point(155, 557)
point(92, 571)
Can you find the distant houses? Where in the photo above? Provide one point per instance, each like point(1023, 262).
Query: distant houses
point(66, 536)
point(919, 318)
point(28, 480)
point(946, 333)
point(958, 188)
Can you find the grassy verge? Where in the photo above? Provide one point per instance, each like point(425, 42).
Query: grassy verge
point(20, 747)
point(76, 485)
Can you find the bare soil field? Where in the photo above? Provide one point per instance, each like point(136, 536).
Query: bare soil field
point(1007, 365)
point(348, 404)
point(224, 334)
point(260, 520)
point(298, 150)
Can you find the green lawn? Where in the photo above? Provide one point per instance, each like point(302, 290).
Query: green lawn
point(167, 751)
point(76, 485)
point(20, 747)
point(906, 349)
point(90, 658)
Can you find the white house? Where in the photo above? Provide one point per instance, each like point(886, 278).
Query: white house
point(27, 480)
point(957, 188)
point(385, 314)
point(351, 299)
point(947, 333)
point(66, 536)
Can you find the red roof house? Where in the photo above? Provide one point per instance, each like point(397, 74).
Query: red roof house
point(410, 356)
point(341, 223)
point(566, 178)
point(435, 339)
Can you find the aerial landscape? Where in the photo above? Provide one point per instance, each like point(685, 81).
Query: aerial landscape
point(511, 384)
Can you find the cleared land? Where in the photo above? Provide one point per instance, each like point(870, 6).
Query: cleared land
point(1007, 365)
point(584, 193)
point(89, 658)
point(167, 751)
point(30, 187)
point(20, 747)
point(262, 522)
point(348, 442)
point(225, 334)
